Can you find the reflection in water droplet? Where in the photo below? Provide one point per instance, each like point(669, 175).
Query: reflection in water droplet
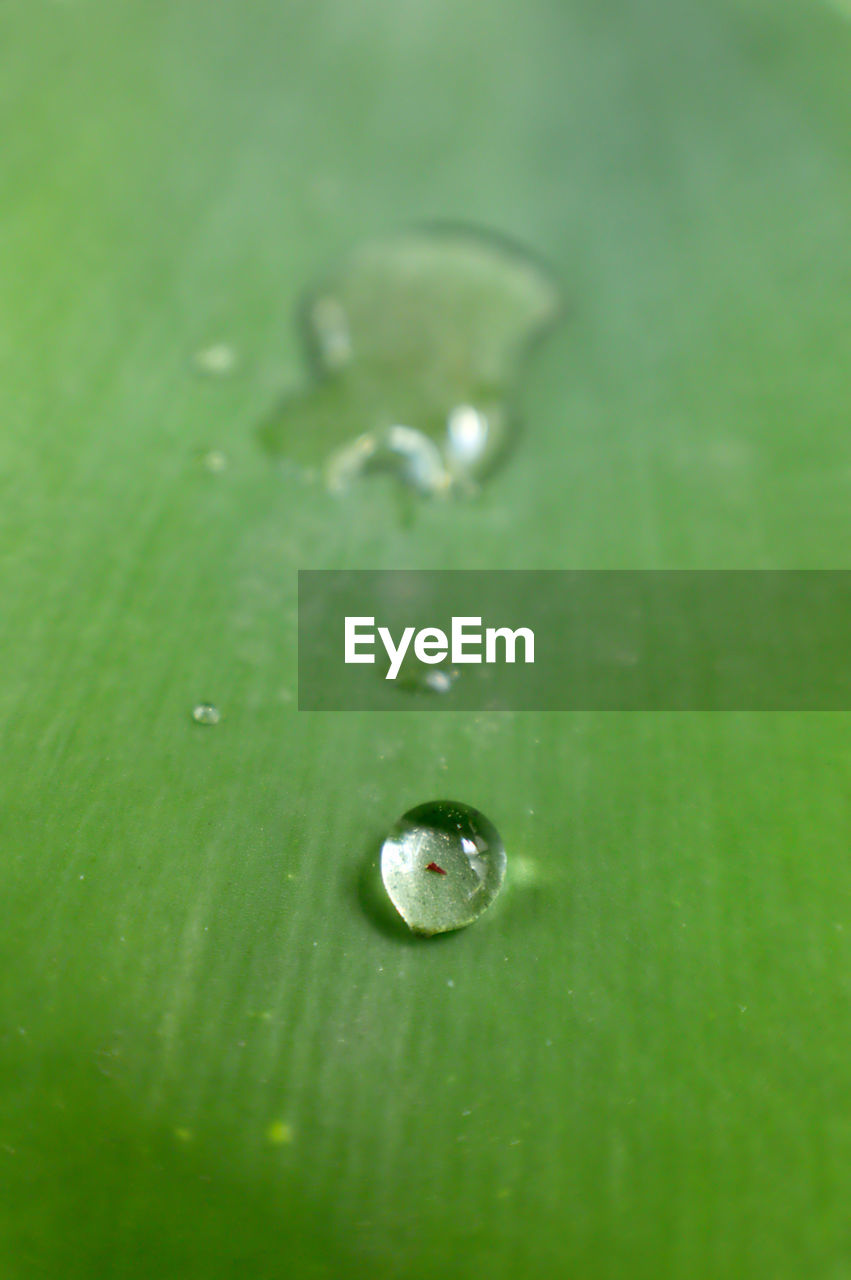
point(442, 864)
point(467, 431)
point(206, 713)
point(415, 342)
point(402, 449)
point(216, 361)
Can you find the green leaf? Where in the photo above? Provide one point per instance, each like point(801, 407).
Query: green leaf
point(216, 1058)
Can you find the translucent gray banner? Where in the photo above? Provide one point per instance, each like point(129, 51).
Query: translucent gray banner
point(574, 640)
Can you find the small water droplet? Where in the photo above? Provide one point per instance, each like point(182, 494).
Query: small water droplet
point(467, 431)
point(206, 713)
point(415, 343)
point(331, 327)
point(216, 361)
point(464, 844)
point(279, 1133)
point(214, 461)
point(440, 679)
point(416, 678)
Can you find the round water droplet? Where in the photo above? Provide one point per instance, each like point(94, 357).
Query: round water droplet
point(442, 864)
point(214, 461)
point(206, 713)
point(440, 679)
point(415, 678)
point(217, 361)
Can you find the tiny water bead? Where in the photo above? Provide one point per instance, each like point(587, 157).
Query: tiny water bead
point(214, 461)
point(217, 361)
point(206, 713)
point(440, 680)
point(414, 678)
point(415, 343)
point(442, 864)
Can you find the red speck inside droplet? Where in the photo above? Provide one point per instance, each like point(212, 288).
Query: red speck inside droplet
point(432, 866)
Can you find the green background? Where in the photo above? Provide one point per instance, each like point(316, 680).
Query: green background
point(638, 1064)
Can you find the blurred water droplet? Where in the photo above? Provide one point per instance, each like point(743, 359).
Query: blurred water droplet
point(279, 1133)
point(415, 344)
point(442, 864)
point(206, 713)
point(214, 461)
point(467, 431)
point(414, 458)
point(440, 679)
point(328, 319)
point(216, 361)
point(415, 677)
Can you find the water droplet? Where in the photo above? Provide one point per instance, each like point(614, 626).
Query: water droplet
point(414, 677)
point(279, 1133)
point(216, 361)
point(442, 864)
point(206, 713)
point(415, 459)
point(415, 344)
point(331, 327)
point(214, 461)
point(467, 431)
